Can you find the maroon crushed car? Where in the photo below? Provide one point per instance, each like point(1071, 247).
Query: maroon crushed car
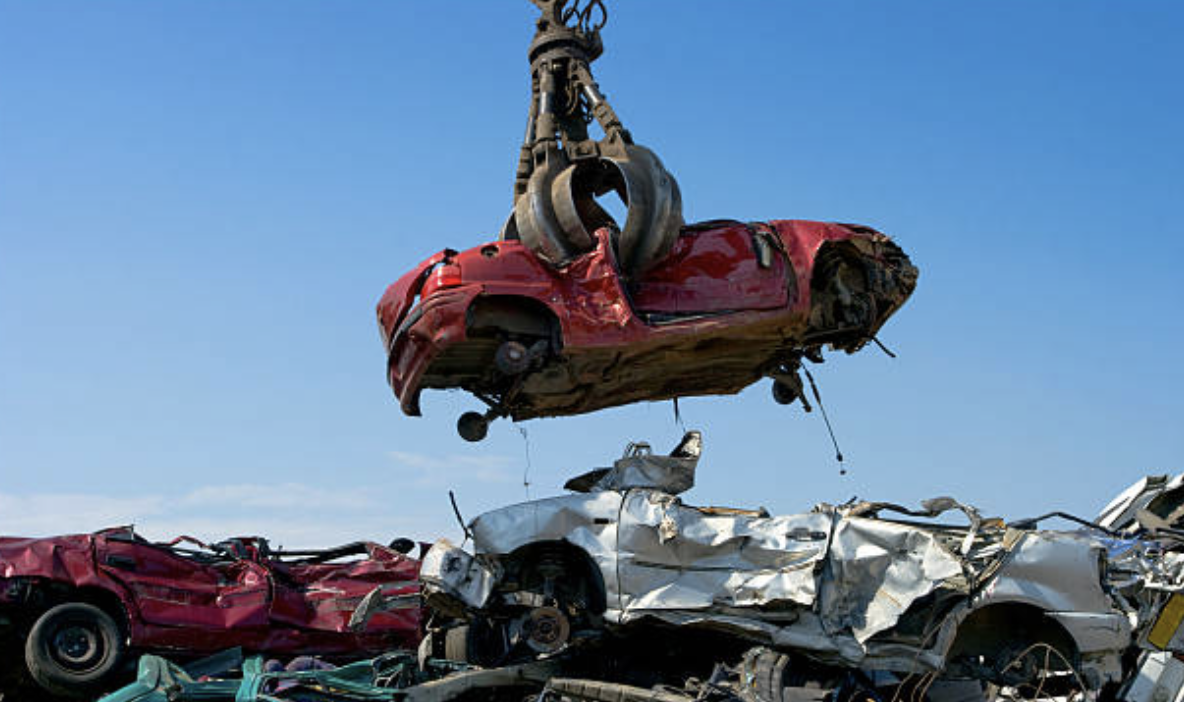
point(731, 303)
point(84, 602)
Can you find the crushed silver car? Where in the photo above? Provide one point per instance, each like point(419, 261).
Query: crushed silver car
point(863, 585)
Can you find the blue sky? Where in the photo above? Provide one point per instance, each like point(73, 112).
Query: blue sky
point(200, 203)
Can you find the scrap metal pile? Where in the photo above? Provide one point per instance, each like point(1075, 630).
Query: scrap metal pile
point(618, 591)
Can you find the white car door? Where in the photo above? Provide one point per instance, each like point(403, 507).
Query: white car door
point(677, 557)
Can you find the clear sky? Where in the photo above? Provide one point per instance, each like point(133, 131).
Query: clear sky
point(201, 202)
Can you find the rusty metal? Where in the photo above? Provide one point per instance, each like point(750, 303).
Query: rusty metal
point(562, 169)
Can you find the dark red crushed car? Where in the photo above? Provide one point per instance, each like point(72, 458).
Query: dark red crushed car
point(83, 603)
point(731, 303)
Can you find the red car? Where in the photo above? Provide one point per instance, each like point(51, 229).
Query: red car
point(84, 602)
point(732, 302)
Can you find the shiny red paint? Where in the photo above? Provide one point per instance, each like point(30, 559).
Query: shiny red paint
point(724, 286)
point(712, 272)
point(200, 602)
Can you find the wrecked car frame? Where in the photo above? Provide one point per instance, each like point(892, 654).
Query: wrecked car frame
point(841, 586)
point(1037, 604)
point(83, 604)
point(732, 303)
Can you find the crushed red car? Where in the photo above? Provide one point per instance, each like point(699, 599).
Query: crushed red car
point(85, 603)
point(731, 303)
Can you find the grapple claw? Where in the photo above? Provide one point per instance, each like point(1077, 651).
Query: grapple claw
point(537, 222)
point(562, 171)
point(654, 210)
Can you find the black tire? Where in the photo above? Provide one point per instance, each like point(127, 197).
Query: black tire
point(72, 648)
point(783, 394)
point(472, 426)
point(402, 545)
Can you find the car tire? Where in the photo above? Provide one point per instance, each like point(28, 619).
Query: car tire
point(72, 648)
point(783, 393)
point(472, 426)
point(479, 642)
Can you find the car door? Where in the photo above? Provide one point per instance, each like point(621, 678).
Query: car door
point(172, 588)
point(678, 557)
point(728, 268)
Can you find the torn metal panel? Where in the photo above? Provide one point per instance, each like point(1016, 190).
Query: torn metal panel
point(1161, 495)
point(452, 573)
point(675, 556)
point(640, 468)
point(1146, 566)
point(877, 570)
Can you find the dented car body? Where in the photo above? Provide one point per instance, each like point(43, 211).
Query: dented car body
point(731, 303)
point(1146, 558)
point(84, 601)
point(847, 586)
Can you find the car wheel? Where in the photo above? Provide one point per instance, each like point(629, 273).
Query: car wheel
point(72, 648)
point(512, 358)
point(472, 426)
point(783, 393)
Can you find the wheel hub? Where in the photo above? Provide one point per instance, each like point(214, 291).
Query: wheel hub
point(76, 646)
point(547, 629)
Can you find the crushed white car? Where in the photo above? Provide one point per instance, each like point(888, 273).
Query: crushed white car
point(863, 585)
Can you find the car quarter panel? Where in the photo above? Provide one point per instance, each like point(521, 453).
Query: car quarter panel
point(66, 559)
point(878, 569)
point(587, 521)
point(1056, 571)
point(399, 297)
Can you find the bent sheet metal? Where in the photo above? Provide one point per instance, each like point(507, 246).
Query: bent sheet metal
point(854, 585)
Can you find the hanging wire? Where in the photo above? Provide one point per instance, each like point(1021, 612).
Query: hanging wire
point(825, 418)
point(464, 527)
point(525, 470)
point(884, 348)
